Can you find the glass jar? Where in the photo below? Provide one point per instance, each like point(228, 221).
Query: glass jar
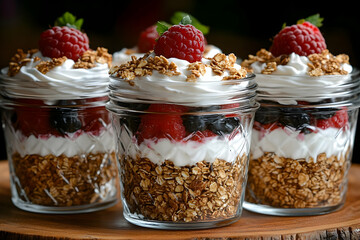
point(183, 165)
point(302, 143)
point(61, 154)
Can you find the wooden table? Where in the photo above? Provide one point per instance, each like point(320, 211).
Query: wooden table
point(110, 224)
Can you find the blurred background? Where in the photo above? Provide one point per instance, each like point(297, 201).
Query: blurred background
point(240, 27)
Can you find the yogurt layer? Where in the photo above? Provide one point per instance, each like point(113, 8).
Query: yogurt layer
point(61, 82)
point(291, 144)
point(185, 153)
point(83, 144)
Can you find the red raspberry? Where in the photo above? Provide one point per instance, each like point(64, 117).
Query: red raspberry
point(159, 125)
point(339, 120)
point(181, 41)
point(63, 41)
point(303, 39)
point(147, 39)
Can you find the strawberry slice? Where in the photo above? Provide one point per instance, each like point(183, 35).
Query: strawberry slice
point(33, 118)
point(157, 125)
point(339, 120)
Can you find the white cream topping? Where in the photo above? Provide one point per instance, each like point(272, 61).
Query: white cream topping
point(123, 56)
point(292, 81)
point(209, 89)
point(185, 153)
point(61, 82)
point(292, 144)
point(85, 143)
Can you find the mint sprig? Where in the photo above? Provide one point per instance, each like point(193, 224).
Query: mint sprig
point(313, 19)
point(181, 18)
point(162, 27)
point(178, 17)
point(69, 20)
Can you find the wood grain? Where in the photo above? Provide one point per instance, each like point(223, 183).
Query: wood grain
point(110, 224)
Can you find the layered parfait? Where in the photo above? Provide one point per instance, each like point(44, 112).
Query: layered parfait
point(58, 133)
point(304, 130)
point(183, 123)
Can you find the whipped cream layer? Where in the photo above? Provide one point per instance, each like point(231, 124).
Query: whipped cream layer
point(69, 146)
point(292, 144)
point(124, 55)
point(292, 81)
point(184, 153)
point(61, 82)
point(208, 89)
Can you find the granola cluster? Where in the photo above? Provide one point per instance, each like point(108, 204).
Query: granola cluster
point(145, 65)
point(204, 191)
point(295, 183)
point(90, 58)
point(87, 60)
point(65, 181)
point(20, 59)
point(319, 64)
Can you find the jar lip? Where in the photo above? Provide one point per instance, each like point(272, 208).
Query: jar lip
point(7, 102)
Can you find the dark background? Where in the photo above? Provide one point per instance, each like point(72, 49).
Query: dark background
point(241, 27)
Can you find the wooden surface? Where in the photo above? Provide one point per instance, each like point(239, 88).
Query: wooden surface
point(110, 224)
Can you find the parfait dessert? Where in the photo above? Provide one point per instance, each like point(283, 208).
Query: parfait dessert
point(147, 40)
point(183, 125)
point(58, 134)
point(303, 132)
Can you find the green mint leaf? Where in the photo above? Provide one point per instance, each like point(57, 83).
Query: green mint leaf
point(67, 19)
point(315, 19)
point(162, 26)
point(178, 17)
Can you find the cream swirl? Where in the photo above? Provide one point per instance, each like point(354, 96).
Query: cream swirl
point(208, 89)
point(293, 81)
point(61, 82)
point(124, 55)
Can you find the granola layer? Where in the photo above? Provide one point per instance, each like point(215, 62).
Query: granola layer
point(296, 183)
point(201, 192)
point(65, 181)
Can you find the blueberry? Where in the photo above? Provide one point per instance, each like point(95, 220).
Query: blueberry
point(132, 122)
point(295, 117)
point(65, 119)
point(266, 115)
point(224, 125)
point(193, 123)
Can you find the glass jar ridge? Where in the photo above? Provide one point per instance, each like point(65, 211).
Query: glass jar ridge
point(61, 154)
point(302, 147)
point(183, 164)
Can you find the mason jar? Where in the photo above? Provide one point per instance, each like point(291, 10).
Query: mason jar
point(58, 133)
point(302, 144)
point(182, 147)
point(61, 154)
